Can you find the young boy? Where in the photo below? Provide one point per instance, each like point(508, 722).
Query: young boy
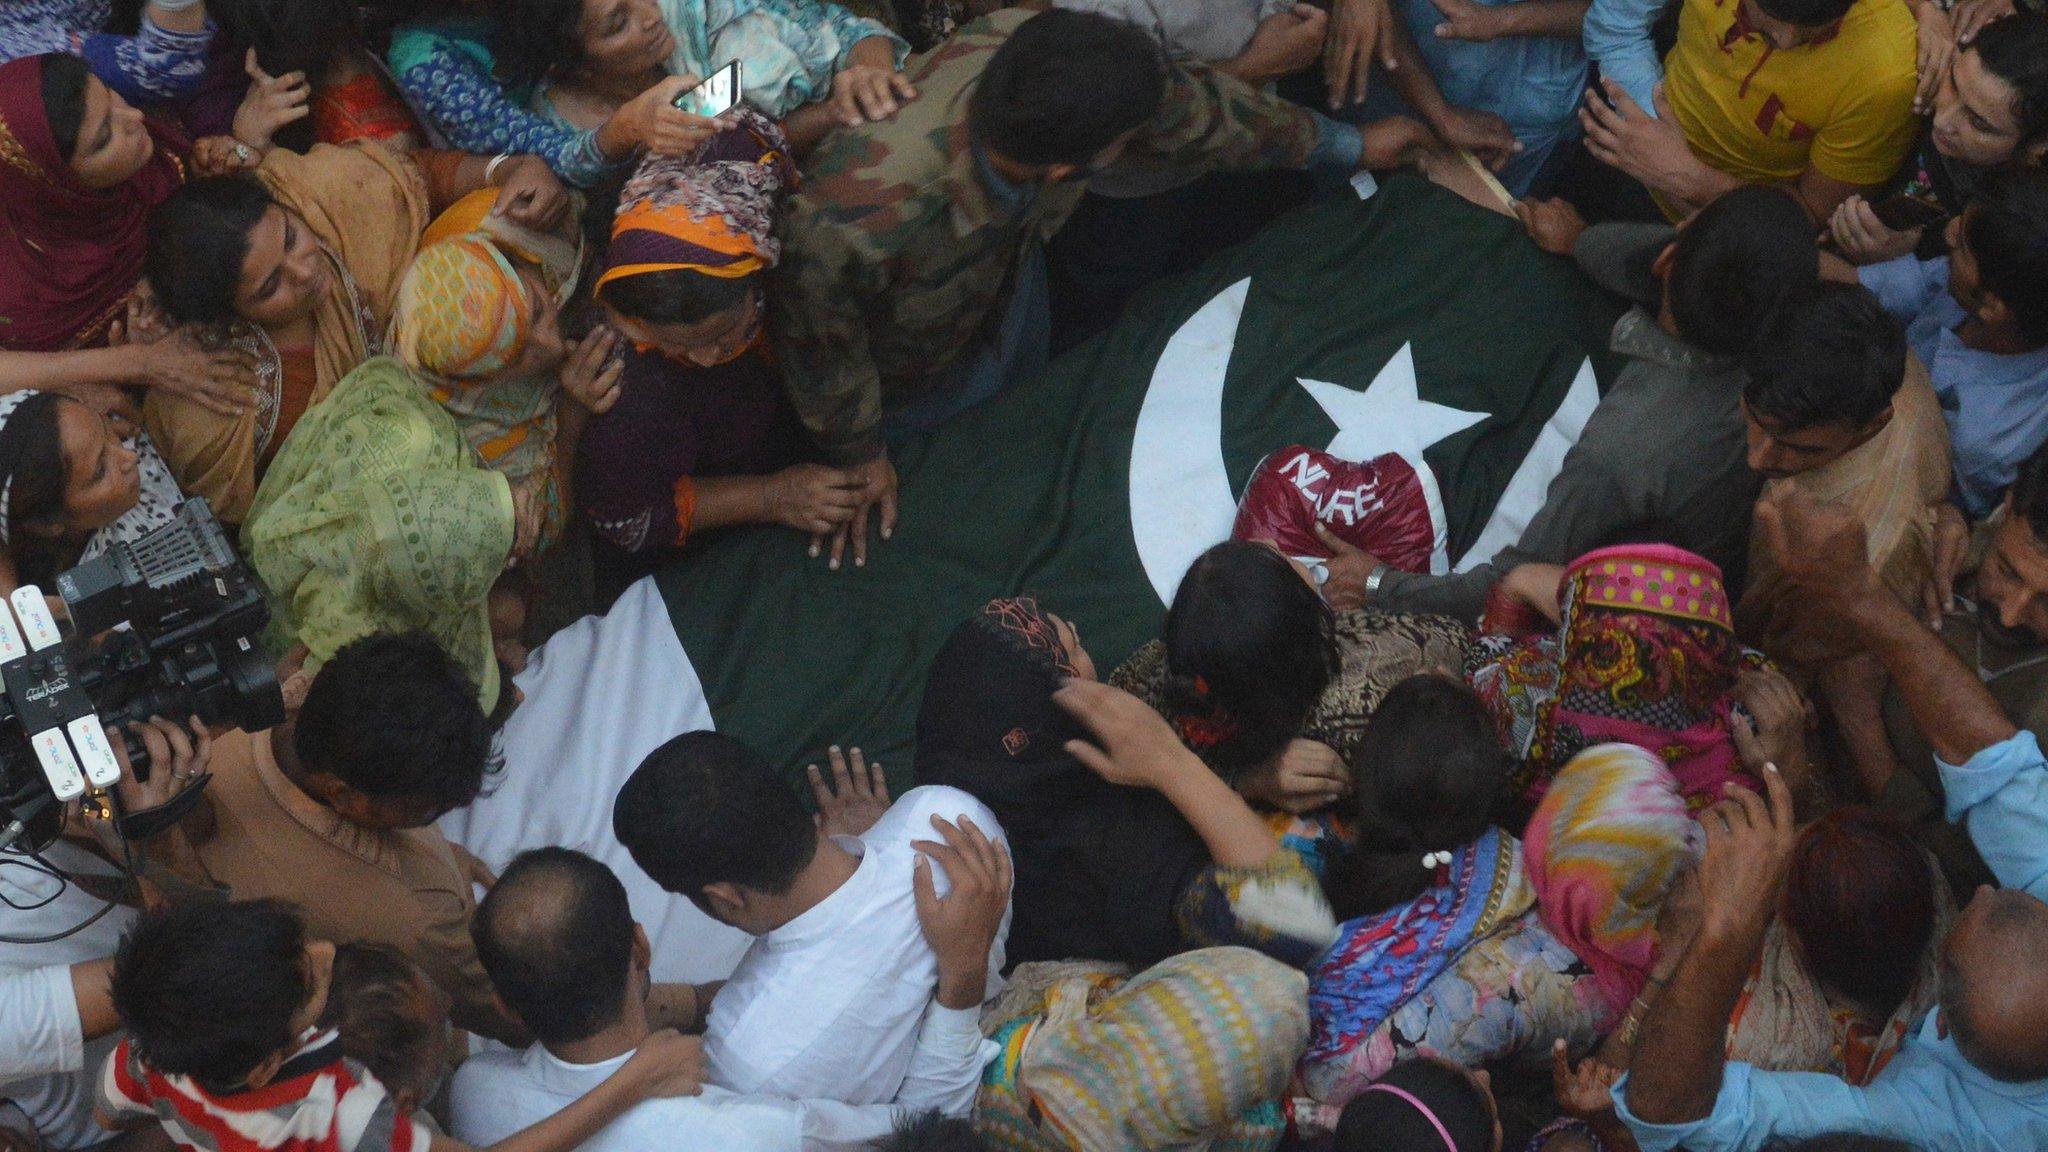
point(220, 1002)
point(1979, 320)
point(393, 1020)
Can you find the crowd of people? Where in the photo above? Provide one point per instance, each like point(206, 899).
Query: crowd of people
point(1708, 812)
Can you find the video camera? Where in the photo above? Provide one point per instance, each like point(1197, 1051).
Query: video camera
point(166, 625)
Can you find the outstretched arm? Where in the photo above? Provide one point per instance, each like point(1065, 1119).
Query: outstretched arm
point(1676, 1069)
point(1135, 747)
point(667, 1063)
point(1992, 772)
point(1821, 551)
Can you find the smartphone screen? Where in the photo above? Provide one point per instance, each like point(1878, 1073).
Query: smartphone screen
point(1904, 213)
point(715, 95)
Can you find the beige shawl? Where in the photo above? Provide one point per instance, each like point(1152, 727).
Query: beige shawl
point(1894, 481)
point(367, 207)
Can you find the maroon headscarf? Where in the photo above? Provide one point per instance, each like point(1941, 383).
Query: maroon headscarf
point(69, 255)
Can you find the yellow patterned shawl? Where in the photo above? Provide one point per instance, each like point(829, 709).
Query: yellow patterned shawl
point(377, 517)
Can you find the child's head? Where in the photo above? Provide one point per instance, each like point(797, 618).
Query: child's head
point(1422, 1106)
point(221, 992)
point(393, 1020)
point(1998, 254)
point(1430, 772)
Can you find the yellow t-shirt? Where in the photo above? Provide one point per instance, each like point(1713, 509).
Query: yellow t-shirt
point(1842, 105)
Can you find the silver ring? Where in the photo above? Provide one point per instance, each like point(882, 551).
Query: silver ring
point(242, 152)
point(186, 776)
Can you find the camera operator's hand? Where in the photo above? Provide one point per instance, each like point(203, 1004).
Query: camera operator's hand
point(177, 756)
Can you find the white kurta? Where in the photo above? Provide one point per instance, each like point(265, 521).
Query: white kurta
point(598, 697)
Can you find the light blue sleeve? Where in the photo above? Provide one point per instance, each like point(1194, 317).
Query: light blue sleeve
point(1906, 284)
point(812, 38)
point(1618, 37)
point(2002, 793)
point(1339, 145)
point(1755, 1109)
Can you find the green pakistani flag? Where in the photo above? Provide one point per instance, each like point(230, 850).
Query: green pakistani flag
point(1411, 322)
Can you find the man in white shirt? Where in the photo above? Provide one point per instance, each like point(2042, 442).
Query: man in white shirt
point(835, 999)
point(53, 996)
point(557, 936)
point(57, 1020)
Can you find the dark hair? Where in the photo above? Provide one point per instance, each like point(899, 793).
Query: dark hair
point(1430, 771)
point(2015, 49)
point(32, 458)
point(395, 716)
point(1807, 14)
point(555, 935)
point(705, 809)
point(536, 37)
point(2030, 492)
point(208, 990)
point(292, 36)
point(1065, 86)
point(1250, 647)
point(1380, 1121)
point(1735, 262)
point(677, 295)
point(933, 1132)
point(64, 85)
point(2007, 229)
point(1831, 356)
point(371, 1003)
point(198, 239)
point(1860, 900)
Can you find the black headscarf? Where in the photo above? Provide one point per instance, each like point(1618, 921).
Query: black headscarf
point(1099, 868)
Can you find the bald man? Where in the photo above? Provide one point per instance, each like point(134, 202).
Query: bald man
point(1975, 1075)
point(558, 939)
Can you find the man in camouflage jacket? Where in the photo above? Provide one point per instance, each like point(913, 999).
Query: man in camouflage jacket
point(900, 251)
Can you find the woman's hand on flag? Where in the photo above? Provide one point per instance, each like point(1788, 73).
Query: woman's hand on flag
point(877, 498)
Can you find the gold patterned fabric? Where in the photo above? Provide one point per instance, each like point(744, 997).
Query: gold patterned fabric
point(1376, 650)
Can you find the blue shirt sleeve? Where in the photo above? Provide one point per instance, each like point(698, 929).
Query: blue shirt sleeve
point(2002, 793)
point(1338, 145)
point(1754, 1109)
point(1617, 34)
point(472, 110)
point(1905, 285)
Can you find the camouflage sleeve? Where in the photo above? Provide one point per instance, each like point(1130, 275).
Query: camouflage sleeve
point(1220, 123)
point(821, 334)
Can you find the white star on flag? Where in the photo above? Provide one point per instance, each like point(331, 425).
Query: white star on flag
point(1388, 416)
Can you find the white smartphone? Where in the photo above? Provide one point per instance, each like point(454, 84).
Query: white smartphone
point(715, 96)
